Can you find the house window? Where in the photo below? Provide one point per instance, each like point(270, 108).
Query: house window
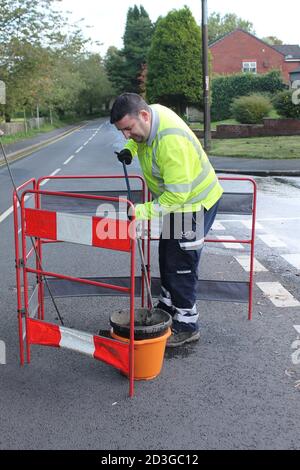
point(249, 67)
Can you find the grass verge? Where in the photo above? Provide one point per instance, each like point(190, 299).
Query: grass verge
point(260, 147)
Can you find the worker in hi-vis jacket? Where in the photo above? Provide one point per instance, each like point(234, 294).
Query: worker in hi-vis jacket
point(186, 193)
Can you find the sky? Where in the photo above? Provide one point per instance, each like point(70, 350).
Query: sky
point(107, 18)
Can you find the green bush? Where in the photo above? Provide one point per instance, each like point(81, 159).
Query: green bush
point(251, 109)
point(226, 88)
point(284, 105)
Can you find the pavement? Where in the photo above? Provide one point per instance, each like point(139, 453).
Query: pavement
point(241, 166)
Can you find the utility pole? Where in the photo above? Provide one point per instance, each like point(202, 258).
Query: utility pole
point(206, 87)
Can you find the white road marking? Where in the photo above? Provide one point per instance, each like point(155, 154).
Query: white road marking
point(234, 246)
point(218, 226)
point(55, 172)
point(272, 241)
point(78, 150)
point(6, 214)
point(297, 328)
point(244, 261)
point(52, 174)
point(293, 259)
point(85, 143)
point(278, 295)
point(274, 219)
point(69, 159)
point(10, 210)
point(248, 224)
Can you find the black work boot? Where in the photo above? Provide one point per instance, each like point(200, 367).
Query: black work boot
point(182, 334)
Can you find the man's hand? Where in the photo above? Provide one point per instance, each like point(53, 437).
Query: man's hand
point(124, 156)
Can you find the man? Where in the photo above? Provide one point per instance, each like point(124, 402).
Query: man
point(184, 185)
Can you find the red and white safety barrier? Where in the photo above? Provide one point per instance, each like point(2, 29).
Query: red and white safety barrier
point(114, 353)
point(85, 230)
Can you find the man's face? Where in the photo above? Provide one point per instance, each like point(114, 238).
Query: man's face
point(135, 127)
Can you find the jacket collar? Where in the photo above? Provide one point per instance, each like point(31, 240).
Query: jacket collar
point(154, 126)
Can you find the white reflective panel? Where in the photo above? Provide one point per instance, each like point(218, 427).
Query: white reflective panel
point(74, 228)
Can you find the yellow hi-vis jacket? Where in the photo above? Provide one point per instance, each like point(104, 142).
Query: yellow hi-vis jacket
point(176, 168)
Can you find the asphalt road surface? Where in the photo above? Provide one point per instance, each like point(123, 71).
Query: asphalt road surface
point(237, 388)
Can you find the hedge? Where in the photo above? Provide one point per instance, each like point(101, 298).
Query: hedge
point(251, 109)
point(283, 103)
point(227, 87)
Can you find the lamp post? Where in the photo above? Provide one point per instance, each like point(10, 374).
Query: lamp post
point(2, 92)
point(205, 68)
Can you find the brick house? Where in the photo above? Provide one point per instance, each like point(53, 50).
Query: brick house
point(240, 51)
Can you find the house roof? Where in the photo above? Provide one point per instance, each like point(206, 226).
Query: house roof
point(242, 31)
point(291, 51)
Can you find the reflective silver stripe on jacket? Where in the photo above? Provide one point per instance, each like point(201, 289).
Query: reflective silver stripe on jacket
point(156, 171)
point(198, 198)
point(184, 187)
point(181, 133)
point(203, 193)
point(188, 187)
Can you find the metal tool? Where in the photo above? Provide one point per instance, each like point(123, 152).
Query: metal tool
point(149, 312)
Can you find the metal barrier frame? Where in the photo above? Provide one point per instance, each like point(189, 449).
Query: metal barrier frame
point(250, 241)
point(22, 256)
point(22, 268)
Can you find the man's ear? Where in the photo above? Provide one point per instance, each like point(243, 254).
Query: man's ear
point(145, 115)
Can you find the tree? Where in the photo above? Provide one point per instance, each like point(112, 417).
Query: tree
point(35, 21)
point(174, 63)
point(125, 67)
point(115, 66)
point(272, 40)
point(39, 53)
point(137, 40)
point(218, 26)
point(97, 89)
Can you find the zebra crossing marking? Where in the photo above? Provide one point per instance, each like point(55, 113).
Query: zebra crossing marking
point(234, 246)
point(272, 241)
point(218, 226)
point(277, 294)
point(293, 259)
point(244, 261)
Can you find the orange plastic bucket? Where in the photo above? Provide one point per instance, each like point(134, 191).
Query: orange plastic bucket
point(148, 355)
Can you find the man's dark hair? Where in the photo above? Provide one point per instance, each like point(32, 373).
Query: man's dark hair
point(127, 103)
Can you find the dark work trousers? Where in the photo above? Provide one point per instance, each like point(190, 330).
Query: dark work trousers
point(180, 247)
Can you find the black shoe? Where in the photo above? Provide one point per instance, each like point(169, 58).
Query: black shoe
point(178, 338)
